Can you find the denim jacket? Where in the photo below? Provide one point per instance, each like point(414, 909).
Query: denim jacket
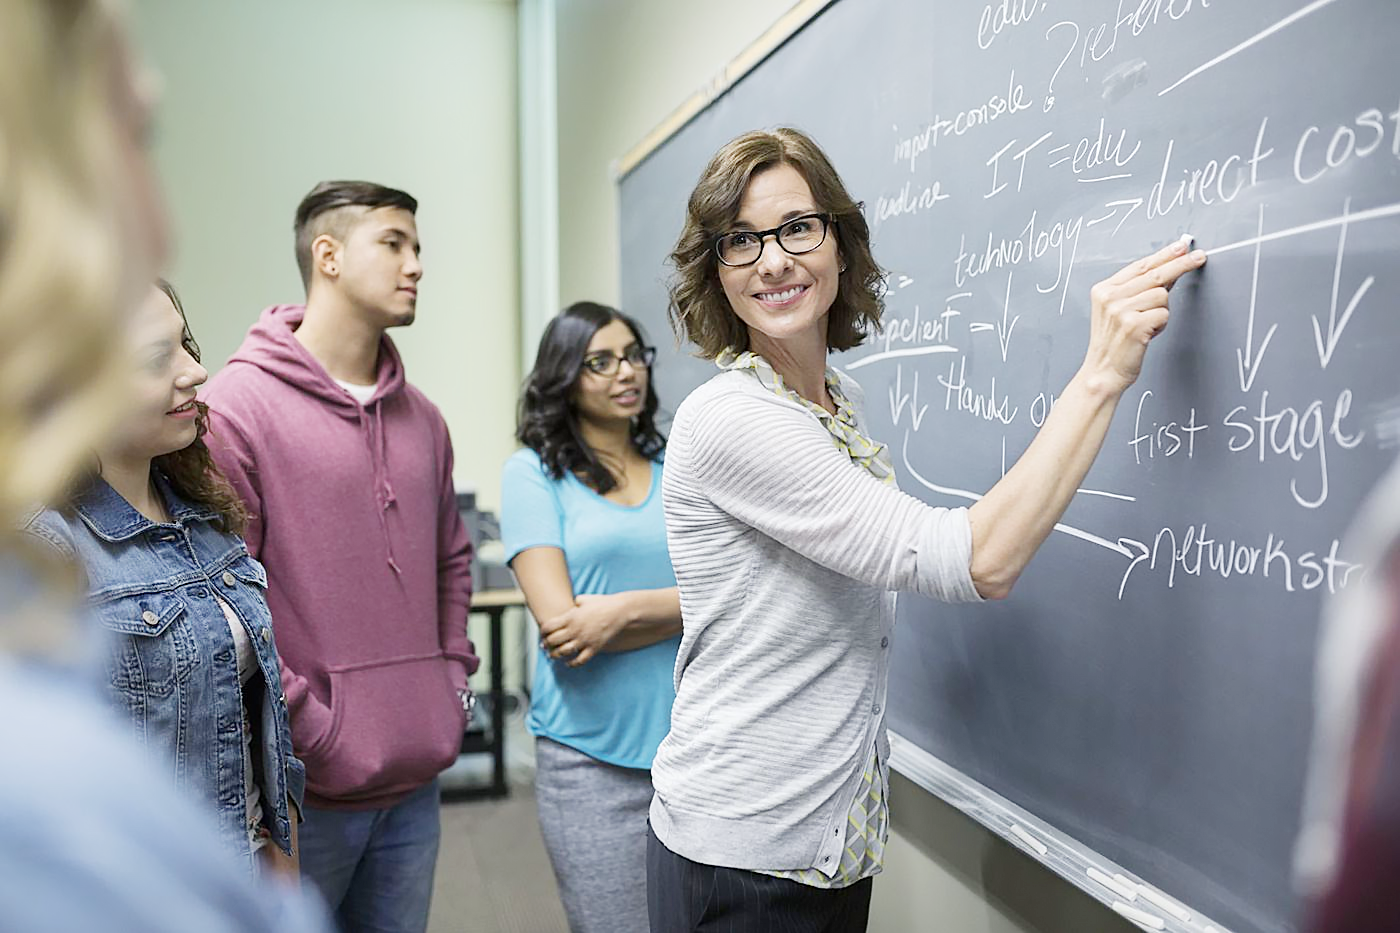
point(171, 664)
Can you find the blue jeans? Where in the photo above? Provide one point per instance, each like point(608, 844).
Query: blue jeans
point(375, 867)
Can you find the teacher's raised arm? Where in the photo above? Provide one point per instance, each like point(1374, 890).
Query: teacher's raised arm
point(1015, 516)
point(789, 536)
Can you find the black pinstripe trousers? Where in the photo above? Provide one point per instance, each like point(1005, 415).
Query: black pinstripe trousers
point(687, 897)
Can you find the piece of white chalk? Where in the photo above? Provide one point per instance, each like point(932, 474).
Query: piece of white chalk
point(1123, 891)
point(1161, 901)
point(1128, 883)
point(1140, 916)
point(1188, 239)
point(1025, 836)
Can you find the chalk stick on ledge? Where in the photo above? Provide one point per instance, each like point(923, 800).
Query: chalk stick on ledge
point(1126, 892)
point(1025, 836)
point(1130, 885)
point(1162, 903)
point(1151, 921)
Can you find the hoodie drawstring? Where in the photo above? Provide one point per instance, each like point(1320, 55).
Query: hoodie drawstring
point(383, 490)
point(272, 347)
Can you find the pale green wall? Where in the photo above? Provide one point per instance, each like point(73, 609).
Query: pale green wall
point(263, 98)
point(622, 66)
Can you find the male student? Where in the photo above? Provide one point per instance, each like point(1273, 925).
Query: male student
point(346, 471)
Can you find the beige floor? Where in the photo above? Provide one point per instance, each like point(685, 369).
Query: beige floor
point(493, 874)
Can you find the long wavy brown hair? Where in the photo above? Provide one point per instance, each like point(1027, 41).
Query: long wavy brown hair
point(191, 470)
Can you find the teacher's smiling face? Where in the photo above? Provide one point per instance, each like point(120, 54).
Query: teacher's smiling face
point(786, 293)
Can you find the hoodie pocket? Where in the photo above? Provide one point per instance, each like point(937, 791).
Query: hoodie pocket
point(394, 726)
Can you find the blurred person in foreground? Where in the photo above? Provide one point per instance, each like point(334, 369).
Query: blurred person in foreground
point(91, 838)
point(1348, 856)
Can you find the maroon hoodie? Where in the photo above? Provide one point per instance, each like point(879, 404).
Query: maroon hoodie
point(354, 514)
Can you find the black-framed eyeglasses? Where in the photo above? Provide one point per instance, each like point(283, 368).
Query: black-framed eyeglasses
point(797, 236)
point(606, 363)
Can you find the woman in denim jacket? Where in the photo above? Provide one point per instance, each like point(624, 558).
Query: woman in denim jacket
point(191, 664)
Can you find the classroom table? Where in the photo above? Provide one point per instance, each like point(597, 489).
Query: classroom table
point(493, 604)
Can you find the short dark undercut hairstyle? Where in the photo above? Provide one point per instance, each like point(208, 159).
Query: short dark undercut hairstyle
point(326, 210)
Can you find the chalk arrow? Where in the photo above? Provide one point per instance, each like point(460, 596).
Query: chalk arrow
point(1335, 327)
point(1136, 552)
point(916, 411)
point(1246, 357)
point(899, 398)
point(1133, 204)
point(1004, 330)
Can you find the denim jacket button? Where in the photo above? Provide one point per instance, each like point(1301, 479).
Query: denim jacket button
point(266, 633)
point(229, 579)
point(149, 617)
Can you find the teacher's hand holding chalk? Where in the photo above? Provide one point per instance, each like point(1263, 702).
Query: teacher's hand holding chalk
point(1130, 308)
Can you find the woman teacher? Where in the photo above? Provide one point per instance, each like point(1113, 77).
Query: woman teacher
point(788, 538)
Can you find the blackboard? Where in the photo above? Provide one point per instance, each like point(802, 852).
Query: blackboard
point(1145, 694)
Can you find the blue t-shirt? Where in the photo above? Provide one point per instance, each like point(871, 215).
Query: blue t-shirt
point(617, 707)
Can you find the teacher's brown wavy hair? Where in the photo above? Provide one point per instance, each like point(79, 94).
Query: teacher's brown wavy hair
point(700, 312)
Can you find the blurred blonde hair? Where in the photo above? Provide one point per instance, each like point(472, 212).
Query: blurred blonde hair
point(63, 269)
point(62, 279)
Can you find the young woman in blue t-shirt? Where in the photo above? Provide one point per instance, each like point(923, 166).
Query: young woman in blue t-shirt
point(584, 532)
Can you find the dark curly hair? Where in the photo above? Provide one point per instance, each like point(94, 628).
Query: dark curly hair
point(547, 421)
point(699, 310)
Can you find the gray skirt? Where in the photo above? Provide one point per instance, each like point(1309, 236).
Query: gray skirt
point(593, 817)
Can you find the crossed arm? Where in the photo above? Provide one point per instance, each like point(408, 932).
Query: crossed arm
point(578, 628)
